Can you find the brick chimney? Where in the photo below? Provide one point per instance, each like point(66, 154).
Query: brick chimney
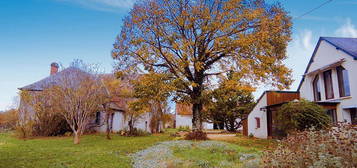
point(54, 68)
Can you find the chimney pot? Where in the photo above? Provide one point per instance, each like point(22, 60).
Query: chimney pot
point(54, 68)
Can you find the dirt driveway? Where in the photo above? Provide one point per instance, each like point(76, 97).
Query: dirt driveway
point(221, 136)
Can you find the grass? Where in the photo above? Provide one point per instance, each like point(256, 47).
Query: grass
point(225, 156)
point(95, 151)
point(253, 143)
point(60, 152)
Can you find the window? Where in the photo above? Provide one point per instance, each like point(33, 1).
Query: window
point(97, 118)
point(257, 121)
point(328, 85)
point(316, 87)
point(333, 115)
point(343, 82)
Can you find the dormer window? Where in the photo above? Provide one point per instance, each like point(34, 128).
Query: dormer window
point(328, 84)
point(343, 82)
point(316, 87)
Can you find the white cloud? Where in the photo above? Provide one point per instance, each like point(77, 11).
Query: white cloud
point(299, 52)
point(347, 30)
point(115, 3)
point(306, 37)
point(103, 5)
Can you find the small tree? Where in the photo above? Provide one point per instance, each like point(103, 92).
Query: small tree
point(154, 89)
point(301, 115)
point(136, 110)
point(230, 104)
point(78, 96)
point(114, 88)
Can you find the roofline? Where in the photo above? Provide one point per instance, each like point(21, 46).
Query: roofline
point(276, 91)
point(309, 64)
point(313, 56)
point(35, 90)
point(282, 91)
point(338, 48)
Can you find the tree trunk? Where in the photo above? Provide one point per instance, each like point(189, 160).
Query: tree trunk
point(131, 126)
point(196, 117)
point(159, 117)
point(197, 105)
point(231, 125)
point(76, 139)
point(108, 125)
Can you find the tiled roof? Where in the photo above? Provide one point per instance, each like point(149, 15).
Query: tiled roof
point(183, 109)
point(348, 45)
point(50, 80)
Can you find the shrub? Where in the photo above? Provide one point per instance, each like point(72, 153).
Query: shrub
point(50, 125)
point(335, 147)
point(134, 132)
point(24, 129)
point(8, 120)
point(301, 115)
point(196, 135)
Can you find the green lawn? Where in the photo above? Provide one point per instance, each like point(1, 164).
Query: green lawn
point(60, 152)
point(215, 155)
point(252, 143)
point(95, 151)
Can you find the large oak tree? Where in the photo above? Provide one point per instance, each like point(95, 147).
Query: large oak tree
point(196, 40)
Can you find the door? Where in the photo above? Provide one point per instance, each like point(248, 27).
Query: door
point(353, 116)
point(270, 122)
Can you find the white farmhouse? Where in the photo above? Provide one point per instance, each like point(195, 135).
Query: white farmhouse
point(330, 80)
point(117, 120)
point(331, 77)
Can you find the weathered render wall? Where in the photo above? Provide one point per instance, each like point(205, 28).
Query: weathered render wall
point(119, 122)
point(327, 54)
point(186, 120)
point(261, 132)
point(183, 121)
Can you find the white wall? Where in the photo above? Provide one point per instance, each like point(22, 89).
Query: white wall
point(186, 120)
point(183, 121)
point(119, 122)
point(261, 132)
point(327, 54)
point(143, 122)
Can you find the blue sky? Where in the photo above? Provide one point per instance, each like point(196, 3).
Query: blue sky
point(34, 33)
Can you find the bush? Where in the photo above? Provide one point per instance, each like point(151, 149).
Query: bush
point(335, 147)
point(50, 125)
point(8, 120)
point(301, 115)
point(134, 132)
point(196, 135)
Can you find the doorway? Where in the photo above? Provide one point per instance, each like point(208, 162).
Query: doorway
point(353, 113)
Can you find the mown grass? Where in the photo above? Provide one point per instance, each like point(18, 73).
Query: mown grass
point(253, 143)
point(229, 155)
point(60, 152)
point(95, 151)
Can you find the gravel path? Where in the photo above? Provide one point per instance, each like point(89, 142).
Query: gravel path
point(156, 156)
point(161, 154)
